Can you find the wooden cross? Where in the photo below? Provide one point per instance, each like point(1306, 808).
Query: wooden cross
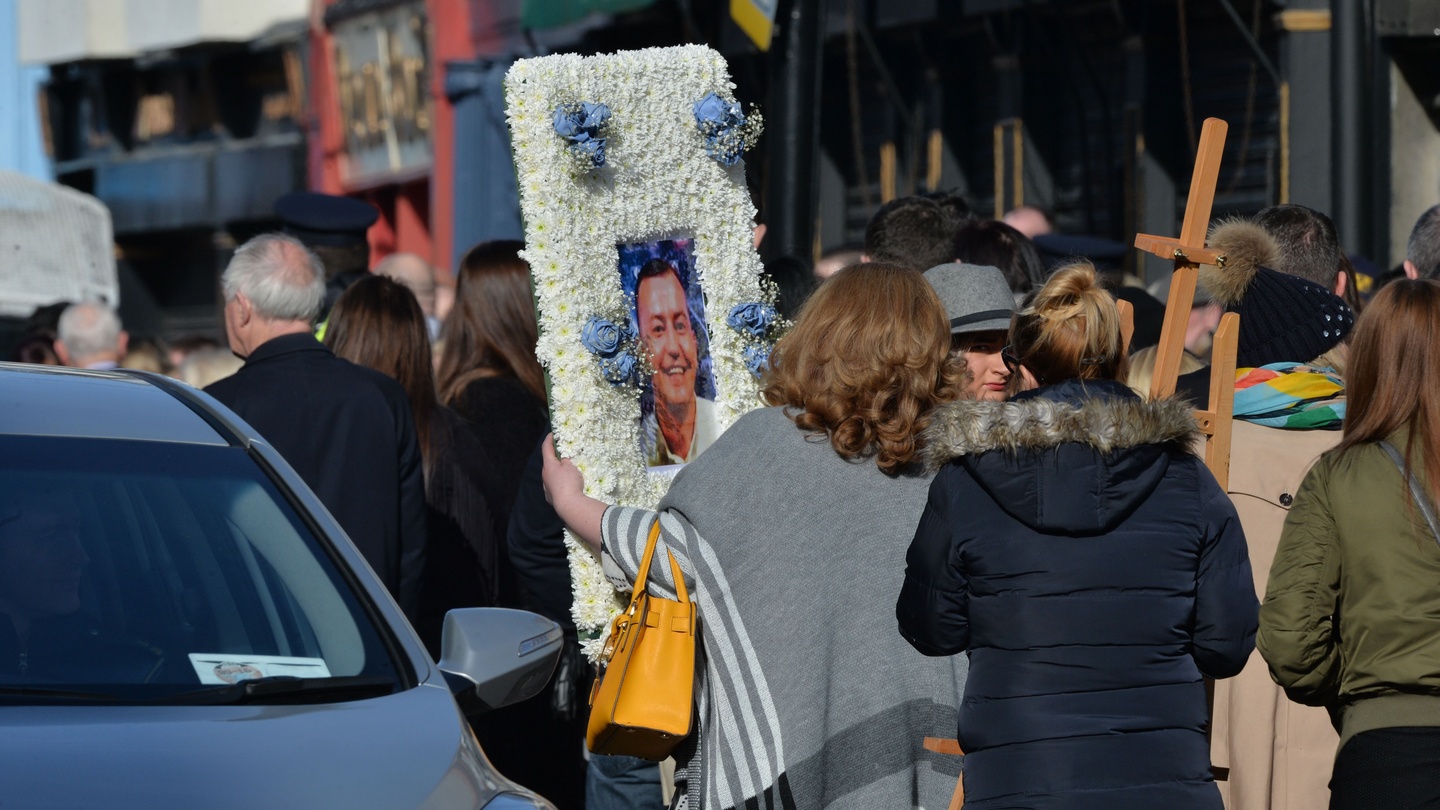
point(1189, 252)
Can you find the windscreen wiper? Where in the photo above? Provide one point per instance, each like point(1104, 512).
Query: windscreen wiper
point(285, 689)
point(46, 693)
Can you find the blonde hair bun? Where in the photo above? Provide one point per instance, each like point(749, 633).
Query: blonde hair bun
point(1068, 291)
point(1071, 329)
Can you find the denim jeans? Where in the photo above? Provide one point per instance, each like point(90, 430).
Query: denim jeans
point(622, 783)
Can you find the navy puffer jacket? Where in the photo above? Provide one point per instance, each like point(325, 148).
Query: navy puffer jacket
point(1094, 571)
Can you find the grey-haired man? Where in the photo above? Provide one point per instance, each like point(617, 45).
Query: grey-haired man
point(346, 429)
point(89, 336)
point(1422, 251)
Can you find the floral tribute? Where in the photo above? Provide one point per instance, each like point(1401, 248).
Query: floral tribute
point(660, 181)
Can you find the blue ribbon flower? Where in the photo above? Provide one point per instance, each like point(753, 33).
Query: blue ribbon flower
point(607, 341)
point(602, 337)
point(753, 318)
point(757, 359)
point(582, 124)
point(727, 131)
point(715, 110)
point(620, 369)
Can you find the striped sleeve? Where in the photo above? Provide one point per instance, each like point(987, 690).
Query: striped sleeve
point(624, 532)
point(742, 751)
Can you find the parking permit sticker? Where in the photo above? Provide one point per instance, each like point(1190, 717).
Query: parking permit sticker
point(218, 668)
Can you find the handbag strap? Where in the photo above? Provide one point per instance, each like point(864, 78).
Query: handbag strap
point(642, 577)
point(1422, 499)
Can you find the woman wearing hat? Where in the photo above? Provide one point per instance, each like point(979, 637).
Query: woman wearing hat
point(979, 304)
point(1090, 567)
point(1273, 754)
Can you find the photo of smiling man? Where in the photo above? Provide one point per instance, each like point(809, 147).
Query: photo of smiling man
point(677, 411)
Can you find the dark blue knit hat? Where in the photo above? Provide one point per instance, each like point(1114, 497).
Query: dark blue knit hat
point(1288, 319)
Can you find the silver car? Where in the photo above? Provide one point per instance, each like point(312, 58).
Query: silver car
point(182, 624)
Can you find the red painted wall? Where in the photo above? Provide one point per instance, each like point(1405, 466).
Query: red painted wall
point(415, 215)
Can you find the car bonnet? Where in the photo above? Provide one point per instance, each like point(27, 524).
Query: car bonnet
point(409, 749)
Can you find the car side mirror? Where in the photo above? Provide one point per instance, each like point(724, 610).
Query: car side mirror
point(493, 657)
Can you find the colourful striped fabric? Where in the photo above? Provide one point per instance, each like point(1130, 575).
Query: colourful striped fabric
point(1292, 396)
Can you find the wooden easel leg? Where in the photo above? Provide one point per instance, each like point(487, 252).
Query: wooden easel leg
point(1222, 397)
point(958, 800)
point(951, 747)
point(1127, 323)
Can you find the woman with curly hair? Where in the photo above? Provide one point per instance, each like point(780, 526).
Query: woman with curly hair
point(789, 531)
point(1089, 566)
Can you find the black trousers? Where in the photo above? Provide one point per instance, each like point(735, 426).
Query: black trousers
point(1388, 769)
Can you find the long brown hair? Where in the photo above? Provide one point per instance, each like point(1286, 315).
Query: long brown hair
point(1071, 330)
point(491, 332)
point(866, 362)
point(377, 323)
point(1392, 381)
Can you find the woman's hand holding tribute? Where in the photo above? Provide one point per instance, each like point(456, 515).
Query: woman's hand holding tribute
point(565, 490)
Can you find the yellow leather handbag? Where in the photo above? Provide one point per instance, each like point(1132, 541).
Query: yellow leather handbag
point(641, 702)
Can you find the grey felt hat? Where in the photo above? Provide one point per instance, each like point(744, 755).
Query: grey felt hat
point(976, 297)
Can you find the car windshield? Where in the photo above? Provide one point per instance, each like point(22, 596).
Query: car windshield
point(143, 572)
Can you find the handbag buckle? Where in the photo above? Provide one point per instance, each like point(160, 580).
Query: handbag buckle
point(617, 632)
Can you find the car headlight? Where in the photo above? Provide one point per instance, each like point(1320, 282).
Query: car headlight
point(518, 801)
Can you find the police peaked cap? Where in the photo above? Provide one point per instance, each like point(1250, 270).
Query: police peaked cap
point(325, 219)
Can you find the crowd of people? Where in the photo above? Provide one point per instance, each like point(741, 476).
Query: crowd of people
point(955, 511)
point(1104, 590)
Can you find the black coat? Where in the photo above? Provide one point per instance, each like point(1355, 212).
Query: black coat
point(462, 555)
point(536, 541)
point(530, 742)
point(508, 421)
point(349, 433)
point(1094, 571)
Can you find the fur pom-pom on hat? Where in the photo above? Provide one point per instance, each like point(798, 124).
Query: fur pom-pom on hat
point(1246, 247)
point(1283, 318)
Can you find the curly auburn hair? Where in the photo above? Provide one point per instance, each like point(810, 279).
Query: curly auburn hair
point(867, 360)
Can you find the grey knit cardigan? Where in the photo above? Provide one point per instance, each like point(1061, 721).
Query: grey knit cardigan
point(806, 695)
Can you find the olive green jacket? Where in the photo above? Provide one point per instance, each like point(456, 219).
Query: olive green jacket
point(1351, 618)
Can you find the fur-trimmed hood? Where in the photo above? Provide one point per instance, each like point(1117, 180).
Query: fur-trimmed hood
point(970, 427)
point(1077, 455)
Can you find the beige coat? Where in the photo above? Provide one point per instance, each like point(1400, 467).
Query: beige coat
point(1279, 754)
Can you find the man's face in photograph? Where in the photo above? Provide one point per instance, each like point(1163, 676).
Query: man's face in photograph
point(668, 337)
